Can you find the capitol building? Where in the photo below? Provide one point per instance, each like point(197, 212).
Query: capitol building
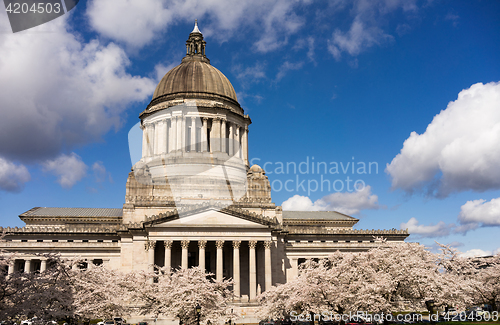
point(193, 199)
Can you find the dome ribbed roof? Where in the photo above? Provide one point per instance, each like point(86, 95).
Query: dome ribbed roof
point(194, 77)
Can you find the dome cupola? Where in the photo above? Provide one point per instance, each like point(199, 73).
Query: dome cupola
point(194, 77)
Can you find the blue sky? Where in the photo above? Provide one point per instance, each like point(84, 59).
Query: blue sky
point(409, 86)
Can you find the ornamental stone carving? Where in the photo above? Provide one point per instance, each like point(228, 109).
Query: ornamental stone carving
point(168, 243)
point(185, 243)
point(219, 244)
point(252, 244)
point(236, 244)
point(202, 243)
point(149, 244)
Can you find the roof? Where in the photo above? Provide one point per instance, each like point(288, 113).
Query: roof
point(197, 208)
point(317, 215)
point(73, 212)
point(193, 78)
point(196, 30)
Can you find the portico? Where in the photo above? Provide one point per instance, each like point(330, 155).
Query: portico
point(228, 261)
point(230, 246)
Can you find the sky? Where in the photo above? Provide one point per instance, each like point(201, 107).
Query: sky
point(386, 110)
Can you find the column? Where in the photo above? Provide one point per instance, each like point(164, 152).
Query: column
point(236, 268)
point(193, 135)
point(204, 130)
point(237, 142)
point(178, 135)
point(11, 267)
point(183, 133)
point(231, 140)
point(156, 136)
point(167, 136)
point(267, 264)
point(144, 141)
point(223, 141)
point(185, 246)
point(253, 270)
point(294, 271)
point(215, 135)
point(244, 145)
point(43, 265)
point(150, 248)
point(149, 245)
point(168, 254)
point(201, 254)
point(173, 134)
point(27, 266)
point(219, 270)
point(151, 139)
point(161, 137)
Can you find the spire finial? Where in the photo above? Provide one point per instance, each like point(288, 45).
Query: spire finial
point(196, 30)
point(195, 45)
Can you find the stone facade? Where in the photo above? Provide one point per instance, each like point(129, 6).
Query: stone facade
point(193, 200)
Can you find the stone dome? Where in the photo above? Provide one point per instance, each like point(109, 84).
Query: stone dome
point(194, 77)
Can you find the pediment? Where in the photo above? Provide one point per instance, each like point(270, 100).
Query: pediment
point(209, 218)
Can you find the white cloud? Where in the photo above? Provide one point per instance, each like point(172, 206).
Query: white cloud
point(358, 38)
point(440, 229)
point(473, 214)
point(459, 150)
point(306, 43)
point(69, 169)
point(12, 176)
point(299, 203)
point(366, 28)
point(100, 172)
point(249, 74)
point(476, 252)
point(348, 202)
point(476, 213)
point(58, 91)
point(137, 23)
point(287, 66)
point(129, 21)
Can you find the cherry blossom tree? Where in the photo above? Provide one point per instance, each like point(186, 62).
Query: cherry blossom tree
point(47, 295)
point(176, 294)
point(338, 284)
point(487, 291)
point(101, 292)
point(479, 277)
point(391, 277)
